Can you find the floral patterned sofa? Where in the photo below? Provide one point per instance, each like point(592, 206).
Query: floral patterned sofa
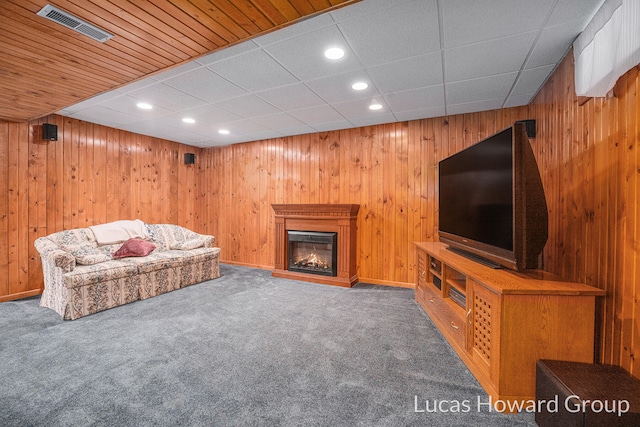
point(82, 277)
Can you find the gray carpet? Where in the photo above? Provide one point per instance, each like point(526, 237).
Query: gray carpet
point(246, 349)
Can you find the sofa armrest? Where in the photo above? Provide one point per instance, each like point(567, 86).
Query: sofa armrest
point(196, 241)
point(54, 256)
point(209, 241)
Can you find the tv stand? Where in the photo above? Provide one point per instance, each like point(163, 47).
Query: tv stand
point(476, 258)
point(500, 322)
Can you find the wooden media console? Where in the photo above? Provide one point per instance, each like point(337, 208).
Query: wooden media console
point(500, 322)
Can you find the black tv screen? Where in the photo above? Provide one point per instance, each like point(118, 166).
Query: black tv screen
point(477, 188)
point(491, 200)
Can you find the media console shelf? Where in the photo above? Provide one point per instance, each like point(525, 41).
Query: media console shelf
point(500, 322)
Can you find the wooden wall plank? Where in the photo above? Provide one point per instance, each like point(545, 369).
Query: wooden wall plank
point(13, 204)
point(626, 90)
point(37, 211)
point(634, 139)
point(401, 245)
point(366, 214)
point(4, 207)
point(429, 192)
point(21, 232)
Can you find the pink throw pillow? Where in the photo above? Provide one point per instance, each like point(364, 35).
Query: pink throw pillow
point(134, 247)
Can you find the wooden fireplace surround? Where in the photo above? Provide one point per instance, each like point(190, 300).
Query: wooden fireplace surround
point(336, 218)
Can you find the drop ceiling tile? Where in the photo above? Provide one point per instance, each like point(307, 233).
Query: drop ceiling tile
point(519, 100)
point(223, 140)
point(297, 130)
point(529, 81)
point(176, 71)
point(486, 88)
point(258, 136)
point(472, 107)
point(204, 84)
point(189, 139)
point(203, 129)
point(227, 52)
point(104, 116)
point(363, 8)
point(246, 127)
point(247, 106)
point(497, 56)
point(325, 127)
point(416, 72)
point(219, 139)
point(139, 84)
point(429, 97)
point(253, 71)
point(127, 104)
point(574, 10)
point(91, 102)
point(236, 131)
point(315, 115)
point(206, 113)
point(278, 120)
point(291, 97)
point(406, 30)
point(337, 88)
point(360, 108)
point(165, 96)
point(465, 22)
point(424, 113)
point(201, 126)
point(369, 121)
point(300, 28)
point(304, 57)
point(150, 127)
point(553, 44)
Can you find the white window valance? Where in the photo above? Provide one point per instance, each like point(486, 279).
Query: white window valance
point(608, 47)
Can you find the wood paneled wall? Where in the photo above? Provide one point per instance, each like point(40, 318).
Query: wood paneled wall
point(91, 175)
point(587, 154)
point(389, 170)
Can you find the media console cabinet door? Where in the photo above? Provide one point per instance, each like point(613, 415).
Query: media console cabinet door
point(485, 331)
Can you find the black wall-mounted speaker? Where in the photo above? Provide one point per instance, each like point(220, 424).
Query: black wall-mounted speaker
point(189, 158)
point(49, 132)
point(530, 126)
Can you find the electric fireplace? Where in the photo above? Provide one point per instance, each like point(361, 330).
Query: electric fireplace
point(308, 256)
point(313, 252)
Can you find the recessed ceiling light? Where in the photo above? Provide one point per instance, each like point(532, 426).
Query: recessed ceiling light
point(223, 132)
point(188, 120)
point(375, 107)
point(334, 53)
point(144, 105)
point(359, 86)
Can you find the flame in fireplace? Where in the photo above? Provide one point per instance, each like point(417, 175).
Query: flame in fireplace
point(312, 260)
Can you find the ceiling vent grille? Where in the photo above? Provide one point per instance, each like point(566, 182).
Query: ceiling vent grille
point(76, 24)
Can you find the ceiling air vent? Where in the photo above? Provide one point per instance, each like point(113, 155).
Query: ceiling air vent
point(76, 24)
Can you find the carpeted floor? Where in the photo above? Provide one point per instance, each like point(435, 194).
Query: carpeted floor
point(247, 350)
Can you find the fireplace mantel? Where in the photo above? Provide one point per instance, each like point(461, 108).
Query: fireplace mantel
point(339, 218)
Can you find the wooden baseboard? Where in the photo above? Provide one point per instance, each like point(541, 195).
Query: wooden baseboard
point(388, 283)
point(20, 295)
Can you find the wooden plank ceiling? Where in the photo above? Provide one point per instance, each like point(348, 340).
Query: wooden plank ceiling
point(45, 66)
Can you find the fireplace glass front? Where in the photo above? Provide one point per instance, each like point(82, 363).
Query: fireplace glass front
point(313, 252)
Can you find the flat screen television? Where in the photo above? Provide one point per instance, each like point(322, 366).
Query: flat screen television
point(492, 203)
